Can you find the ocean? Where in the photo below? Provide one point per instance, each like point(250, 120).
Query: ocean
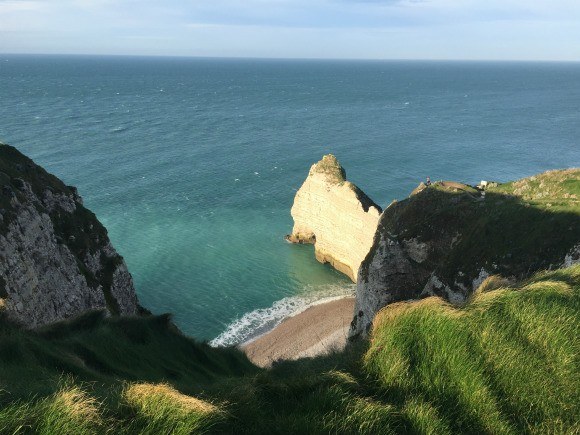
point(192, 164)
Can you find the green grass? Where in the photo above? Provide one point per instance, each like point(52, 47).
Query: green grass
point(159, 408)
point(506, 362)
point(70, 410)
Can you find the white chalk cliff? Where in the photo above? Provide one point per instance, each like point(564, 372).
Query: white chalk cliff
point(334, 215)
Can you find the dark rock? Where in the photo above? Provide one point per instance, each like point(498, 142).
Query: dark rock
point(7, 191)
point(18, 183)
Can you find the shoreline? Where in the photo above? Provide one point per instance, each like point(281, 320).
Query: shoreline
point(322, 301)
point(261, 321)
point(318, 330)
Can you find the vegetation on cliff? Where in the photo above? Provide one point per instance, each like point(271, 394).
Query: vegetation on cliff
point(16, 168)
point(511, 229)
point(446, 238)
point(330, 167)
point(335, 173)
point(506, 362)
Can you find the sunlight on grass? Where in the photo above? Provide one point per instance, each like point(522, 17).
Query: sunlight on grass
point(160, 408)
point(506, 362)
point(69, 411)
point(503, 363)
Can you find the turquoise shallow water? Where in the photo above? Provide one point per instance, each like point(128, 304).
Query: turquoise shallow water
point(192, 164)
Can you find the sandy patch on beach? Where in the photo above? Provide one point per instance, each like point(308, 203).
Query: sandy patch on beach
point(316, 331)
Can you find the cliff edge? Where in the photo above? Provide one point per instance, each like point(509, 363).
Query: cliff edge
point(334, 215)
point(446, 239)
point(56, 260)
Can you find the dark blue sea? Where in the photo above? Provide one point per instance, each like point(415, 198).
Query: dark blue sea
point(192, 164)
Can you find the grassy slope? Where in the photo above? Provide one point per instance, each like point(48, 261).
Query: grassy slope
point(505, 363)
point(508, 362)
point(94, 358)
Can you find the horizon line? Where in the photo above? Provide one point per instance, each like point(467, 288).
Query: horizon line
point(187, 56)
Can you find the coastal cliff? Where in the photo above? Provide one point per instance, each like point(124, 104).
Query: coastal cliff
point(436, 368)
point(334, 215)
point(446, 239)
point(56, 260)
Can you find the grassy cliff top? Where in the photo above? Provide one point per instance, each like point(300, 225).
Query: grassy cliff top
point(512, 229)
point(558, 188)
point(507, 362)
point(330, 166)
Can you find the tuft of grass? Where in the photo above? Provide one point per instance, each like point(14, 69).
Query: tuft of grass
point(424, 418)
point(493, 282)
point(15, 418)
point(69, 411)
point(160, 408)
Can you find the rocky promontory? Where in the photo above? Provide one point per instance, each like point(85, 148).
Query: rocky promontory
point(334, 215)
point(56, 260)
point(447, 238)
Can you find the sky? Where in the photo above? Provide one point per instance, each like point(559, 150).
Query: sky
point(349, 29)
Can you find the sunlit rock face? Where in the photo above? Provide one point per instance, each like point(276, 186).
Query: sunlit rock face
point(334, 215)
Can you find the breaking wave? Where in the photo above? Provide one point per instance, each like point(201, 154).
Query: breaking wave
point(258, 322)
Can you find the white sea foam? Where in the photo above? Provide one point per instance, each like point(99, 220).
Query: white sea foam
point(258, 322)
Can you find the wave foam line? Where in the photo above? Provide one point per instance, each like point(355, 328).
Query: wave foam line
point(258, 322)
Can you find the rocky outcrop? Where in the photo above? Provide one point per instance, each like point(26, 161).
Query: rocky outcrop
point(56, 260)
point(573, 257)
point(334, 215)
point(446, 239)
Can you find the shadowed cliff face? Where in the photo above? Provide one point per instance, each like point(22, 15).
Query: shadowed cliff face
point(446, 239)
point(56, 260)
point(334, 215)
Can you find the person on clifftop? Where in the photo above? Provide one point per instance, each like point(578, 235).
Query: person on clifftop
point(428, 182)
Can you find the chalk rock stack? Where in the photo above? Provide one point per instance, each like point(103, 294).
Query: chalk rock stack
point(334, 215)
